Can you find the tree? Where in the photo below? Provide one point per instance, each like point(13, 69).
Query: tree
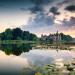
point(32, 37)
point(8, 34)
point(17, 33)
point(65, 38)
point(15, 49)
point(25, 35)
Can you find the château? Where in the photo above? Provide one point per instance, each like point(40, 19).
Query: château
point(55, 37)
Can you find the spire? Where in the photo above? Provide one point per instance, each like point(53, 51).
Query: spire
point(57, 32)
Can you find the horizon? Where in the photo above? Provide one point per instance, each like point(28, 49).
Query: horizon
point(41, 33)
point(38, 16)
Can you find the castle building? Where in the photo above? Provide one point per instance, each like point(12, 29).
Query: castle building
point(55, 37)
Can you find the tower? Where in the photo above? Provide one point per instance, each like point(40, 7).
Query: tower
point(58, 39)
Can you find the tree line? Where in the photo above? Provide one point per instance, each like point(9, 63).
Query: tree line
point(15, 49)
point(66, 38)
point(17, 34)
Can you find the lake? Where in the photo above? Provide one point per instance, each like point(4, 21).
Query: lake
point(14, 58)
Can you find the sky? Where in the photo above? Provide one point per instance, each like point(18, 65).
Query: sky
point(38, 16)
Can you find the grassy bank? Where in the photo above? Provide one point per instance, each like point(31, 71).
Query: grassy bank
point(16, 42)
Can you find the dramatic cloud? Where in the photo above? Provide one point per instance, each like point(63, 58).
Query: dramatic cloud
point(69, 23)
point(35, 5)
point(39, 5)
point(36, 9)
point(70, 8)
point(39, 21)
point(66, 2)
point(54, 10)
point(37, 15)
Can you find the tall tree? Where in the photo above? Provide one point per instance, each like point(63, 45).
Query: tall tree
point(17, 33)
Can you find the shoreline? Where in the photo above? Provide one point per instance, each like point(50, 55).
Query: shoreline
point(37, 45)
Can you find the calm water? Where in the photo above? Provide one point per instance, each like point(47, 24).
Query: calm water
point(14, 58)
point(42, 57)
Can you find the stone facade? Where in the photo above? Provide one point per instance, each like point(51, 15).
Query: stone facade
point(55, 37)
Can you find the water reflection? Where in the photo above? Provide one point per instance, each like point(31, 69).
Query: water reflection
point(47, 56)
point(28, 58)
point(12, 65)
point(15, 49)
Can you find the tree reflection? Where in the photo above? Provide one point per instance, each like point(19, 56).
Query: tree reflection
point(15, 49)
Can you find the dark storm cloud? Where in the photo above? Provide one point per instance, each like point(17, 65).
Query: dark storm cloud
point(69, 23)
point(36, 9)
point(70, 8)
point(29, 5)
point(33, 9)
point(65, 2)
point(40, 2)
point(38, 5)
point(54, 10)
point(25, 5)
point(36, 2)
